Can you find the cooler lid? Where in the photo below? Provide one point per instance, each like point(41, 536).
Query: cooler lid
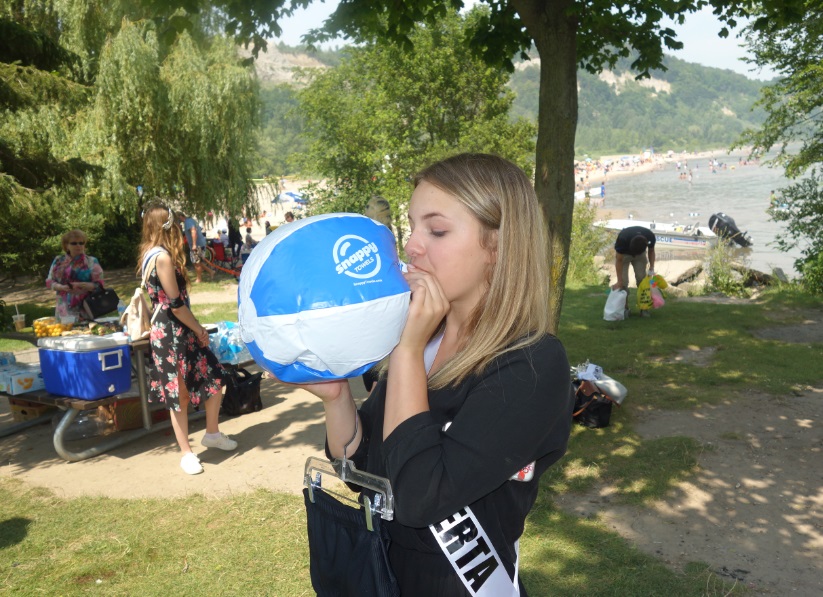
point(84, 343)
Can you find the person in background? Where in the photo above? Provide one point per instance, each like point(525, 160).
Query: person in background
point(289, 217)
point(248, 244)
point(196, 241)
point(224, 238)
point(183, 370)
point(631, 248)
point(73, 275)
point(476, 402)
point(268, 227)
point(235, 238)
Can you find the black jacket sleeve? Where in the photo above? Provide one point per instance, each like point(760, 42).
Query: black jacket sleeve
point(516, 412)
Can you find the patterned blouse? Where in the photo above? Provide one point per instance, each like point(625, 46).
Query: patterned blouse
point(66, 270)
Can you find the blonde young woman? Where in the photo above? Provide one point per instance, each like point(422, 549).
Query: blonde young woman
point(184, 370)
point(476, 403)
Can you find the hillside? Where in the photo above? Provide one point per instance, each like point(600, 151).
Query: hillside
point(686, 107)
point(275, 65)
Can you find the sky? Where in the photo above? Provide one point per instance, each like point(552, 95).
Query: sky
point(698, 34)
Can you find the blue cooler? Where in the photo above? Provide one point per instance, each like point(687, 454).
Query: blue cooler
point(86, 367)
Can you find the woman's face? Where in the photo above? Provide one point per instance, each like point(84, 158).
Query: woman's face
point(76, 246)
point(445, 242)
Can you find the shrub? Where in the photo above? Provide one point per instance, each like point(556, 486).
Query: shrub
point(721, 276)
point(587, 241)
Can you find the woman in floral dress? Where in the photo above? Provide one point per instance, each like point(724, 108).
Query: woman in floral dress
point(184, 369)
point(73, 276)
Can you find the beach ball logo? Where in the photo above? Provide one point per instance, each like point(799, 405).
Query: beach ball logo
point(361, 263)
point(305, 317)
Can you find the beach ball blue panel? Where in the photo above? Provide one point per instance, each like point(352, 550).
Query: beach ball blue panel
point(323, 298)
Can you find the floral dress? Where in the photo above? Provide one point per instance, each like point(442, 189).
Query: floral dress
point(66, 270)
point(175, 345)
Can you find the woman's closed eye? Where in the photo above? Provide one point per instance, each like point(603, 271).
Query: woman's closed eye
point(438, 233)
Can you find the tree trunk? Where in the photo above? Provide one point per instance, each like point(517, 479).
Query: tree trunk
point(554, 33)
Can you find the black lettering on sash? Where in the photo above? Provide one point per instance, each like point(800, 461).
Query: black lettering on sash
point(460, 535)
point(459, 514)
point(478, 575)
point(480, 547)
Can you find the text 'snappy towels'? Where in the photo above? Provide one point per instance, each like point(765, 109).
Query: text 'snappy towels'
point(323, 298)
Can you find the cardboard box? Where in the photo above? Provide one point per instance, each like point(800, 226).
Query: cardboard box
point(126, 414)
point(21, 378)
point(23, 410)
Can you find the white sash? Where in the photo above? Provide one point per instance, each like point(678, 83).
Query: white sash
point(470, 552)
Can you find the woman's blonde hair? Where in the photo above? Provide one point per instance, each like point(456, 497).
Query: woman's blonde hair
point(160, 229)
point(71, 235)
point(513, 312)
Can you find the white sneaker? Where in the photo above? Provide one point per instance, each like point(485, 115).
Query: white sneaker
point(190, 463)
point(222, 441)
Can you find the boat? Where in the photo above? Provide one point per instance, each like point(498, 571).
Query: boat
point(675, 236)
point(725, 226)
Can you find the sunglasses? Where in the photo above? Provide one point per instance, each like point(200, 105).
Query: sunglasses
point(78, 242)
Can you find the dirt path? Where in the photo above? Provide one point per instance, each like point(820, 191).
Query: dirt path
point(753, 512)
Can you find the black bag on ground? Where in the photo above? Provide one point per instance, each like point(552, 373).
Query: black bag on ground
point(242, 392)
point(592, 408)
point(100, 302)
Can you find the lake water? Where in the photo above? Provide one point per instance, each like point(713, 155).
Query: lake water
point(741, 192)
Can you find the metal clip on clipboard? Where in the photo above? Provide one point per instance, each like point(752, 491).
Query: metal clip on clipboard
point(343, 469)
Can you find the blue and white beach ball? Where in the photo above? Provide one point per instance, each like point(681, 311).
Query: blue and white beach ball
point(323, 298)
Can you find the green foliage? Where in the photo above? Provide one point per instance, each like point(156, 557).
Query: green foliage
point(384, 113)
point(721, 275)
point(794, 123)
point(804, 228)
point(281, 138)
point(587, 241)
point(794, 101)
point(95, 98)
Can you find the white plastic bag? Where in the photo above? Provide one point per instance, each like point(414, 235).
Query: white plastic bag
point(615, 306)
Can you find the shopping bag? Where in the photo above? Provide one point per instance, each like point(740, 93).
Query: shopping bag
point(657, 297)
point(615, 306)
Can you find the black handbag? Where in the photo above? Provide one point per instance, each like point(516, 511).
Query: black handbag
point(100, 302)
point(592, 408)
point(242, 392)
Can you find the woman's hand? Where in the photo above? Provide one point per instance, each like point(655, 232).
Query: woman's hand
point(427, 309)
point(202, 336)
point(77, 287)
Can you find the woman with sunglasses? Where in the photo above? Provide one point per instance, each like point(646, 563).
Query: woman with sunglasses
point(73, 275)
point(183, 369)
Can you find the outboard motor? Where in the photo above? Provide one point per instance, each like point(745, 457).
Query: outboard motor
point(724, 226)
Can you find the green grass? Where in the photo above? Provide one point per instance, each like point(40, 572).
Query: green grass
point(252, 544)
point(255, 543)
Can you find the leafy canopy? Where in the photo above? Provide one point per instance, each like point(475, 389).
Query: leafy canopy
point(384, 113)
point(96, 98)
point(794, 105)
